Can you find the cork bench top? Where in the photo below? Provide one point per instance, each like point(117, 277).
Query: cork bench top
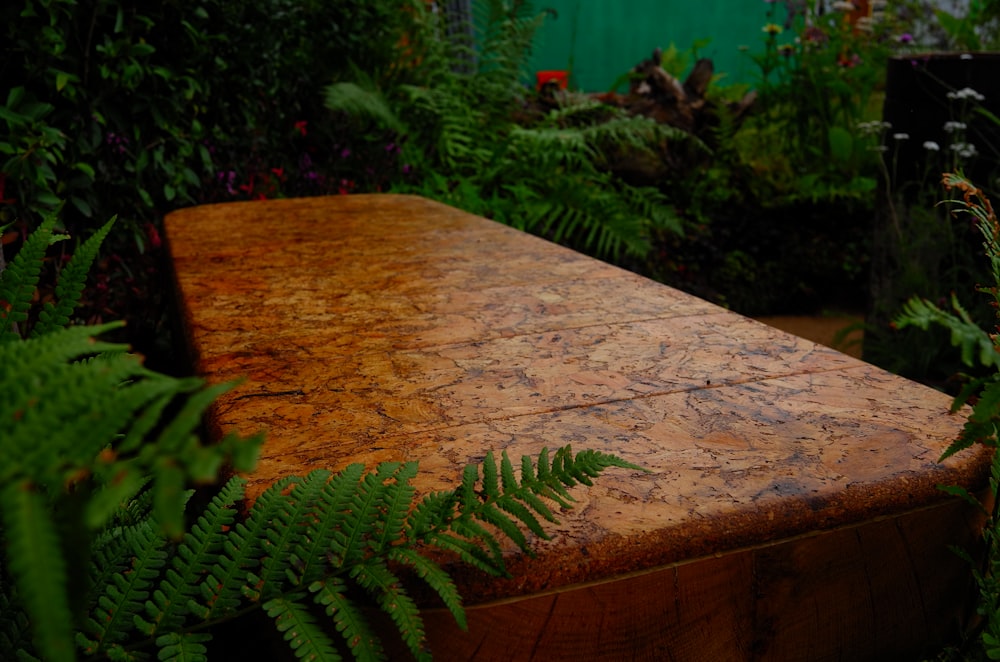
point(387, 327)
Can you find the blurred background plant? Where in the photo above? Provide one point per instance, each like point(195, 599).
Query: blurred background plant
point(116, 106)
point(473, 135)
point(779, 220)
point(119, 106)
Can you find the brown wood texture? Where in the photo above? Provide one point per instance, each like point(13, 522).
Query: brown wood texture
point(386, 327)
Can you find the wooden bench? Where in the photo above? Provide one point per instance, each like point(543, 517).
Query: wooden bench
point(792, 512)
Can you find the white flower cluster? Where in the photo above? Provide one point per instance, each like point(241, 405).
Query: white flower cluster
point(966, 93)
point(964, 150)
point(872, 128)
point(931, 146)
point(952, 126)
point(843, 6)
point(900, 136)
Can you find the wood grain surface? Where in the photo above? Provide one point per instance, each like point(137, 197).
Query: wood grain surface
point(788, 482)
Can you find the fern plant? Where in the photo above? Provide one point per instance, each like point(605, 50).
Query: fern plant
point(472, 146)
point(86, 428)
point(308, 547)
point(978, 348)
point(96, 462)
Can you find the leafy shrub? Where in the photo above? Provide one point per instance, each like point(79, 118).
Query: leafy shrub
point(140, 106)
point(468, 139)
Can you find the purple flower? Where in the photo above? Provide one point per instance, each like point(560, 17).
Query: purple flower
point(344, 153)
point(905, 38)
point(228, 178)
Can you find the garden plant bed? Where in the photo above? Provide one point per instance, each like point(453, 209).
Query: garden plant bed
point(791, 508)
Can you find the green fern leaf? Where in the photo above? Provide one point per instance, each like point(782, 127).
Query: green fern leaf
point(157, 394)
point(116, 614)
point(522, 513)
point(334, 501)
point(468, 551)
point(491, 484)
point(71, 282)
point(348, 619)
point(75, 410)
point(490, 513)
point(548, 484)
point(116, 497)
point(397, 498)
point(435, 577)
point(199, 550)
point(307, 640)
point(292, 515)
point(353, 537)
point(15, 631)
point(469, 528)
point(362, 103)
point(430, 513)
point(24, 364)
point(226, 585)
point(183, 647)
point(36, 563)
point(178, 431)
point(19, 280)
point(974, 343)
point(375, 577)
point(982, 424)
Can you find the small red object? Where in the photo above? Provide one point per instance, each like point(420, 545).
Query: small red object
point(543, 77)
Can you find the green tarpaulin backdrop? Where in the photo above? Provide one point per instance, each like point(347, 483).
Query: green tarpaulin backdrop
point(602, 39)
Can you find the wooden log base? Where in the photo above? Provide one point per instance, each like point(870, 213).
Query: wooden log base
point(791, 510)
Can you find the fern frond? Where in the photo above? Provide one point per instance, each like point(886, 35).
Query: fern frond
point(183, 647)
point(974, 343)
point(23, 361)
point(115, 499)
point(71, 282)
point(156, 395)
point(435, 577)
point(292, 515)
point(397, 498)
point(20, 278)
point(307, 640)
point(550, 485)
point(348, 620)
point(375, 577)
point(334, 501)
point(116, 614)
point(365, 103)
point(169, 604)
point(226, 584)
point(517, 503)
point(15, 631)
point(35, 562)
point(983, 424)
point(352, 540)
point(75, 410)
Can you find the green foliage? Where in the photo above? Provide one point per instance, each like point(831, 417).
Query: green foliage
point(814, 91)
point(144, 107)
point(977, 347)
point(86, 429)
point(98, 560)
point(469, 144)
point(305, 552)
point(983, 422)
point(977, 30)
